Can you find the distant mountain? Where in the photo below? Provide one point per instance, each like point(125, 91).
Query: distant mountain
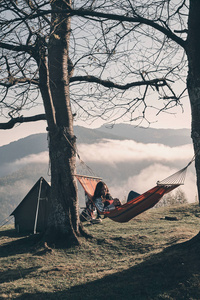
point(169, 137)
point(90, 136)
point(32, 144)
point(37, 143)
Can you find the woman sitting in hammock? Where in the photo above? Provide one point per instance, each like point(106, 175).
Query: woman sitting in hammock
point(104, 201)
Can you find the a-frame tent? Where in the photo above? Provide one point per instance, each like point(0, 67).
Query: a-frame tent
point(32, 212)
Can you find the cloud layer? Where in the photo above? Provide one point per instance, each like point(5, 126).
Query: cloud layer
point(115, 151)
point(8, 168)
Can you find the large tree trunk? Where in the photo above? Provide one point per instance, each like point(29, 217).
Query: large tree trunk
point(63, 223)
point(193, 80)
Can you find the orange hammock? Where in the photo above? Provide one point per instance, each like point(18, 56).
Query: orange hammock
point(136, 206)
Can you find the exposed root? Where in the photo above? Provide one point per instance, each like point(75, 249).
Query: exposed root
point(84, 232)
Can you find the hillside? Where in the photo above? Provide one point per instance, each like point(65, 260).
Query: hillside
point(37, 143)
point(170, 137)
point(149, 257)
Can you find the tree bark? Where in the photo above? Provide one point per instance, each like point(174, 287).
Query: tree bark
point(63, 224)
point(193, 79)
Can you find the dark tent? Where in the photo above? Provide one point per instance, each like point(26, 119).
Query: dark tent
point(32, 212)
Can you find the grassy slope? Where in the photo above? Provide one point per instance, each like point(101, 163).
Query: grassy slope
point(147, 258)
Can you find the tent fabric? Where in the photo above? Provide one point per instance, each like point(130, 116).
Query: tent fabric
point(134, 207)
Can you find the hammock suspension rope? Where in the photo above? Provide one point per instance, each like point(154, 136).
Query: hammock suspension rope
point(178, 177)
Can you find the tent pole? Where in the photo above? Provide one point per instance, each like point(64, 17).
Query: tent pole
point(37, 209)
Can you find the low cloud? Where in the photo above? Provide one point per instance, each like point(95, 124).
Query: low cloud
point(111, 152)
point(13, 189)
point(8, 168)
point(42, 157)
point(11, 194)
point(115, 151)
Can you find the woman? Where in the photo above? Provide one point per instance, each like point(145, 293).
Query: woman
point(102, 199)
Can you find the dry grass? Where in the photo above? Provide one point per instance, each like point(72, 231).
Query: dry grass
point(147, 258)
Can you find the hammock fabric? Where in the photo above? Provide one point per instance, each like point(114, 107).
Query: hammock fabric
point(134, 207)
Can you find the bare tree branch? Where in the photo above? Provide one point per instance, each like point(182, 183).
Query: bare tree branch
point(110, 84)
point(101, 54)
point(10, 124)
point(17, 48)
point(13, 81)
point(107, 16)
point(122, 18)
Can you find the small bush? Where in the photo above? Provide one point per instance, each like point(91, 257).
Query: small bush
point(175, 198)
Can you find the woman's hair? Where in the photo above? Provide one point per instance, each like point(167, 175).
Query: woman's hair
point(98, 189)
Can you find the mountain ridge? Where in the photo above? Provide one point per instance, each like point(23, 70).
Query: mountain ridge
point(36, 143)
point(169, 137)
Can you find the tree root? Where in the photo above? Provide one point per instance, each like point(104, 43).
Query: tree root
point(84, 233)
